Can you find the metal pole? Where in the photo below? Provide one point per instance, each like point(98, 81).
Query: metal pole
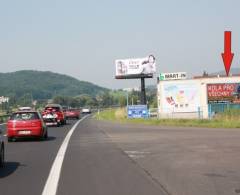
point(143, 91)
point(127, 104)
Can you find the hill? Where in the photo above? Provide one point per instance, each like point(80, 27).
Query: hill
point(44, 85)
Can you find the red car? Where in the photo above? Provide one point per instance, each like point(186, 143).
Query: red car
point(23, 124)
point(72, 114)
point(53, 115)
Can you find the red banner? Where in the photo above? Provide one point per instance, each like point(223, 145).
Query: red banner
point(229, 92)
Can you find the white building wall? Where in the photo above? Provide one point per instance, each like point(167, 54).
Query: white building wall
point(201, 84)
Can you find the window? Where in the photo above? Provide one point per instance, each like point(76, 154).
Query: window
point(24, 116)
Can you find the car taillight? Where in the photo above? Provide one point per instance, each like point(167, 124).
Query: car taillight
point(36, 124)
point(9, 124)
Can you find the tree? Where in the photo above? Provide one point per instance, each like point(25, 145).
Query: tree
point(122, 101)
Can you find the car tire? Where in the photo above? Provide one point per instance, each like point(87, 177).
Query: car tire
point(46, 135)
point(2, 156)
point(10, 139)
point(63, 122)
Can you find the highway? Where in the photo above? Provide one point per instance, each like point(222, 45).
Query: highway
point(92, 165)
point(105, 158)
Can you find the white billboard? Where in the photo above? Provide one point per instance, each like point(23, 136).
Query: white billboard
point(3, 99)
point(180, 97)
point(135, 67)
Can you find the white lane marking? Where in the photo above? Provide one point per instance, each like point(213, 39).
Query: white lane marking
point(51, 185)
point(136, 152)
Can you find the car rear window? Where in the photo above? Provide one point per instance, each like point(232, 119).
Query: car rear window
point(72, 110)
point(24, 116)
point(54, 109)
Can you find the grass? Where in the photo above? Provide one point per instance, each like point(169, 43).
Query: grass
point(228, 119)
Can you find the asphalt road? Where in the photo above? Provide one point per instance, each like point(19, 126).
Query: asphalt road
point(92, 165)
point(104, 158)
point(28, 163)
point(184, 161)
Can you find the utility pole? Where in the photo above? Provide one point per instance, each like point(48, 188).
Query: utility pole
point(127, 98)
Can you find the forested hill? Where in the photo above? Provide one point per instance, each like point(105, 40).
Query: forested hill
point(44, 85)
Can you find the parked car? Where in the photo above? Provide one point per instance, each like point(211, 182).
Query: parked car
point(26, 124)
point(72, 113)
point(2, 150)
point(86, 111)
point(53, 115)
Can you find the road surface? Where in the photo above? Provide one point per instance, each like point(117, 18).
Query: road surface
point(92, 165)
point(104, 158)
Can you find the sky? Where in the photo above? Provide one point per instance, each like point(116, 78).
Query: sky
point(84, 38)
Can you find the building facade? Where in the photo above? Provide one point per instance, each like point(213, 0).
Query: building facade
point(198, 97)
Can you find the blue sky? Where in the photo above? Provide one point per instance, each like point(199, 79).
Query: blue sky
point(83, 38)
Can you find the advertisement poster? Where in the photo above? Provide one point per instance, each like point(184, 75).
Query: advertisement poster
point(183, 97)
point(223, 93)
point(134, 67)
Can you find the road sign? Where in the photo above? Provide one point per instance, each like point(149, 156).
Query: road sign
point(172, 76)
point(137, 111)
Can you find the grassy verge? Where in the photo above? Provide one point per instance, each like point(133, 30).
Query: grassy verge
point(228, 119)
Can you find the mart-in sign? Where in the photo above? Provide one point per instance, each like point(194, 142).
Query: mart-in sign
point(173, 76)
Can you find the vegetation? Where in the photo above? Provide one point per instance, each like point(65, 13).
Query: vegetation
point(37, 88)
point(228, 119)
point(37, 85)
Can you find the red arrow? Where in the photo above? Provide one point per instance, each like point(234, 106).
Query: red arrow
point(227, 56)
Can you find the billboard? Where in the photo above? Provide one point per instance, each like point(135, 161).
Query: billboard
point(137, 111)
point(3, 99)
point(135, 68)
point(180, 97)
point(223, 93)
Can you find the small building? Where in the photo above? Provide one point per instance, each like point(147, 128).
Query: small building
point(199, 97)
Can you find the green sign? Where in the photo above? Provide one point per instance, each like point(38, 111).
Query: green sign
point(172, 76)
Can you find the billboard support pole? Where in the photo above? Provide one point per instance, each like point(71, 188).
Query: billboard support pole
point(143, 92)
